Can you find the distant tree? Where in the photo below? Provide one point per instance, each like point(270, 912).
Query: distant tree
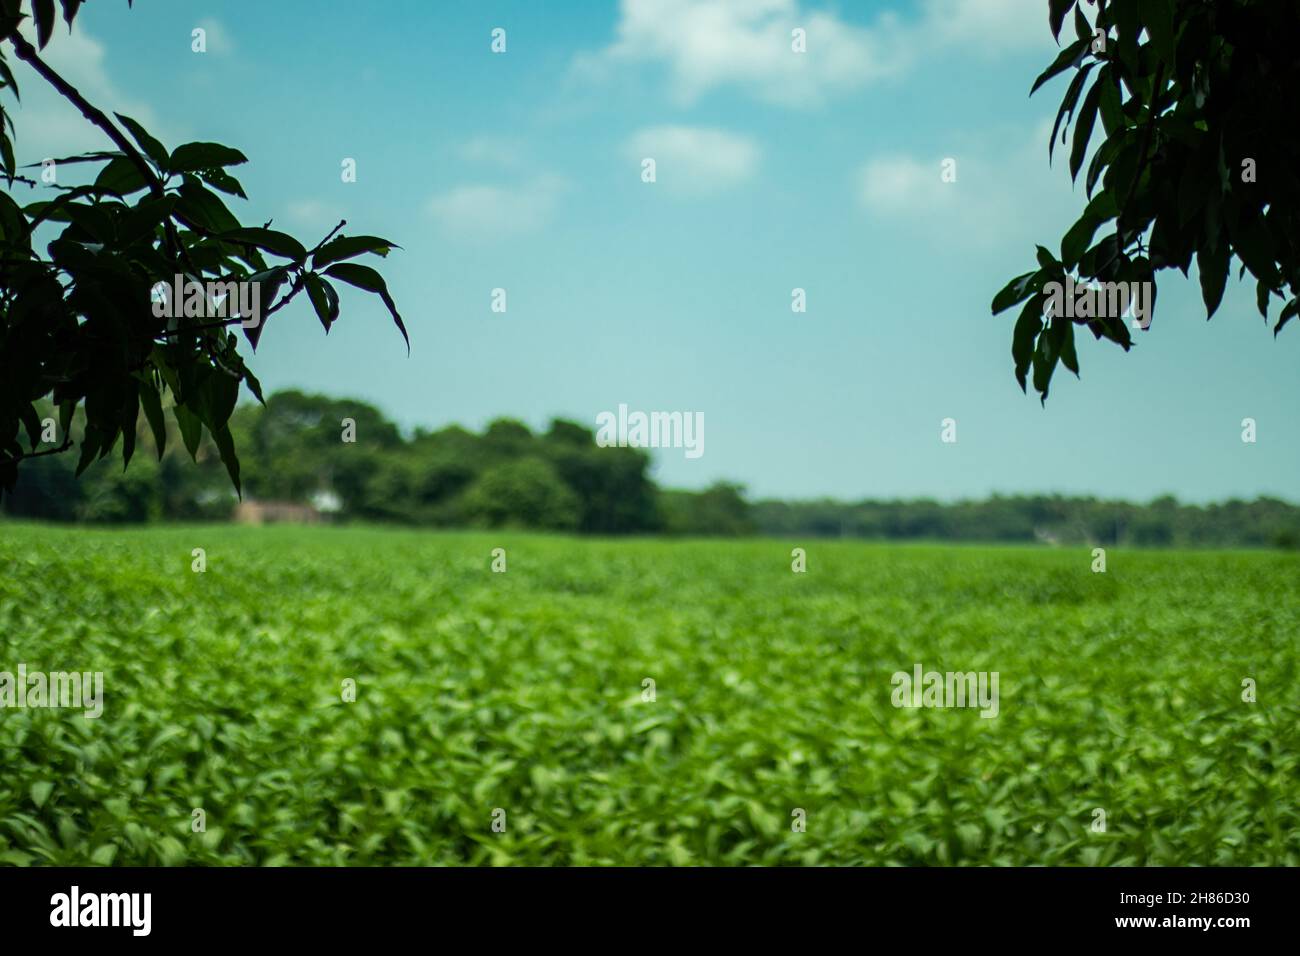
point(300, 444)
point(718, 511)
point(1199, 158)
point(613, 485)
point(80, 324)
point(525, 493)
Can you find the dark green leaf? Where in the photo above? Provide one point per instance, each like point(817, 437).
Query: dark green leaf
point(1082, 28)
point(277, 243)
point(1014, 291)
point(1077, 240)
point(193, 157)
point(191, 428)
point(271, 280)
point(1072, 55)
point(1213, 267)
point(152, 148)
point(345, 247)
point(200, 205)
point(364, 277)
point(70, 8)
point(1288, 313)
point(1028, 326)
point(1056, 12)
point(43, 13)
point(226, 448)
point(218, 393)
point(1083, 124)
point(1158, 18)
point(1068, 103)
point(122, 177)
point(31, 422)
point(152, 405)
point(323, 299)
point(220, 179)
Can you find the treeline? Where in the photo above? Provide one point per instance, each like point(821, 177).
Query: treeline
point(350, 462)
point(346, 459)
point(1052, 519)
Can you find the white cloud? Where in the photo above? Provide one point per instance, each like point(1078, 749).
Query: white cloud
point(49, 126)
point(1004, 192)
point(218, 39)
point(747, 43)
point(903, 184)
point(711, 44)
point(988, 27)
point(695, 160)
point(483, 212)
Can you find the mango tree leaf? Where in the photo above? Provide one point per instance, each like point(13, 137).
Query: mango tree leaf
point(1072, 55)
point(323, 299)
point(202, 206)
point(1213, 267)
point(1056, 11)
point(221, 437)
point(277, 243)
point(70, 8)
point(193, 157)
point(152, 148)
point(1083, 124)
point(152, 405)
point(191, 428)
point(43, 13)
point(345, 247)
point(364, 277)
point(1288, 313)
point(1015, 291)
point(1028, 327)
point(122, 177)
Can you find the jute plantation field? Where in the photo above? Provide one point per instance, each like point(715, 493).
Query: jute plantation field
point(521, 698)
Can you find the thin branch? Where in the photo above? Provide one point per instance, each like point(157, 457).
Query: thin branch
point(28, 181)
point(298, 284)
point(67, 443)
point(28, 53)
point(319, 245)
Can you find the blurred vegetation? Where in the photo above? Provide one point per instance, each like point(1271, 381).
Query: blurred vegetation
point(293, 449)
point(1052, 519)
point(525, 691)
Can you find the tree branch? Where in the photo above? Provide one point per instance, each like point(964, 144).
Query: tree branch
point(27, 53)
point(320, 245)
point(67, 443)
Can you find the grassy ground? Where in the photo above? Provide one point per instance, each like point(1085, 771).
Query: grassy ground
point(523, 692)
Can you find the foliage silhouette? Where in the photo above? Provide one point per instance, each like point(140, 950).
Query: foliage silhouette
point(83, 327)
point(1199, 159)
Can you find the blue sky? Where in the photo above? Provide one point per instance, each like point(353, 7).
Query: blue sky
point(775, 170)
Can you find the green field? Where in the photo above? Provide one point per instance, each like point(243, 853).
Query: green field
point(523, 691)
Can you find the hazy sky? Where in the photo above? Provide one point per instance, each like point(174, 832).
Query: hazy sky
point(775, 170)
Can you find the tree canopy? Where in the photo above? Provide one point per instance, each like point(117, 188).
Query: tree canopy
point(131, 307)
point(1199, 158)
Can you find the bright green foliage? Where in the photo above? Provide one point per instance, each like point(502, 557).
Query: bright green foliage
point(1199, 158)
point(78, 325)
point(523, 690)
